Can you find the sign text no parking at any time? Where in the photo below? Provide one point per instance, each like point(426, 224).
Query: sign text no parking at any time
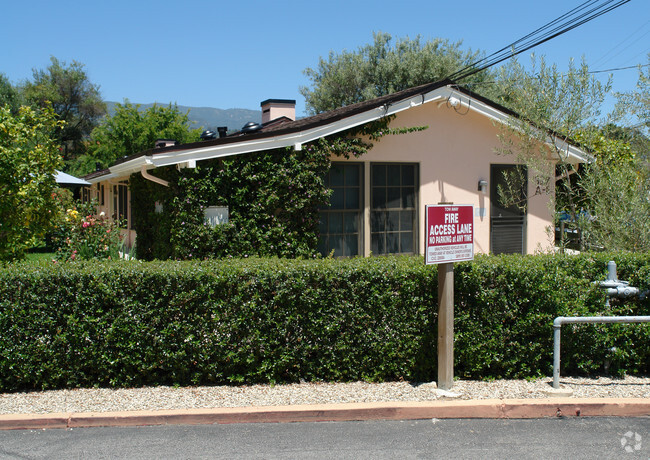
point(449, 233)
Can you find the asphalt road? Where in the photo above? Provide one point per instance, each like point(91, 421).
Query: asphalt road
point(573, 438)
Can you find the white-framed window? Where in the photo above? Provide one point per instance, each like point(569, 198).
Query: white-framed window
point(341, 223)
point(393, 208)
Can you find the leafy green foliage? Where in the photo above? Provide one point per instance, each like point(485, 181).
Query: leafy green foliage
point(273, 198)
point(8, 94)
point(117, 324)
point(618, 200)
point(130, 131)
point(382, 68)
point(28, 159)
point(633, 112)
point(74, 99)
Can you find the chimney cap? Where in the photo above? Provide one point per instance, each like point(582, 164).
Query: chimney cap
point(278, 101)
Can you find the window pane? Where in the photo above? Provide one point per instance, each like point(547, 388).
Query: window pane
point(392, 243)
point(352, 175)
point(377, 244)
point(408, 197)
point(351, 222)
point(322, 245)
point(378, 175)
point(336, 244)
point(336, 222)
point(406, 240)
point(406, 221)
point(322, 224)
point(352, 198)
point(337, 198)
point(393, 197)
point(378, 198)
point(351, 246)
point(393, 175)
point(336, 176)
point(408, 175)
point(392, 223)
point(377, 221)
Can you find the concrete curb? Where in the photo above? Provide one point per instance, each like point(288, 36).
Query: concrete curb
point(490, 408)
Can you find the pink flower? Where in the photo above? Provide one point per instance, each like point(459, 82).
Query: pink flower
point(85, 224)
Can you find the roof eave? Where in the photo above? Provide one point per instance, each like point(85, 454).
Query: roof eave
point(295, 139)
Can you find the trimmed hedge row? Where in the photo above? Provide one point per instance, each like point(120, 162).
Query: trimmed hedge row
point(272, 320)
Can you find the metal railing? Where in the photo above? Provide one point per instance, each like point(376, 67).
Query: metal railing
point(560, 320)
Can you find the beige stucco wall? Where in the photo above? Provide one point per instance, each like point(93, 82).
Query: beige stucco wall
point(453, 154)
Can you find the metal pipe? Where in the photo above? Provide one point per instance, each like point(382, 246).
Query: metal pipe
point(560, 320)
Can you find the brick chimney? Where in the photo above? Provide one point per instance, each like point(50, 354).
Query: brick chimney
point(276, 108)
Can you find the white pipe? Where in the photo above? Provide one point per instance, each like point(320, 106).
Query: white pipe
point(155, 179)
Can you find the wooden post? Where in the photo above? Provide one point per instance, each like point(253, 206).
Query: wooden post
point(445, 326)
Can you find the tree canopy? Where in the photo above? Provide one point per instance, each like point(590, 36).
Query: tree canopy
point(74, 99)
point(383, 67)
point(130, 131)
point(633, 112)
point(9, 96)
point(28, 158)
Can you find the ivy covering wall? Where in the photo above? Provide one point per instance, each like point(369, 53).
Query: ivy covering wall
point(273, 198)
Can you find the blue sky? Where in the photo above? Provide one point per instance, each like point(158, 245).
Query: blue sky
point(236, 54)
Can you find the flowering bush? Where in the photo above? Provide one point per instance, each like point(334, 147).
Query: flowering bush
point(89, 236)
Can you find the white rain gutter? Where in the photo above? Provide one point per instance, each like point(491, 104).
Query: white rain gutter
point(157, 180)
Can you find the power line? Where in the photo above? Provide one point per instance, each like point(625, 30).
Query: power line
point(605, 57)
point(619, 68)
point(576, 17)
point(493, 82)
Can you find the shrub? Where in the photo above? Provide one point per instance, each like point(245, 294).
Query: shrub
point(83, 235)
point(275, 320)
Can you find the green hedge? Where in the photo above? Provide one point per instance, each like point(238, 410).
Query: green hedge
point(276, 320)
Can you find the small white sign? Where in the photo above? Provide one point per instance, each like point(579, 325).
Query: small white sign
point(215, 215)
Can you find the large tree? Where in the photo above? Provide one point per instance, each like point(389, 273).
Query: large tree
point(383, 67)
point(633, 112)
point(131, 130)
point(8, 94)
point(606, 200)
point(28, 158)
point(74, 98)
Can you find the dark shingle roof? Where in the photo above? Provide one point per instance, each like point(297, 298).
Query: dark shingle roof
point(285, 125)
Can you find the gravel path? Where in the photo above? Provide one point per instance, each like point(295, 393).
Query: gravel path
point(155, 398)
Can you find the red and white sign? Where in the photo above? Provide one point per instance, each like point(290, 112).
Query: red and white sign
point(449, 233)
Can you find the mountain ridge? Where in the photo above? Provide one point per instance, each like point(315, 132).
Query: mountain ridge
point(205, 117)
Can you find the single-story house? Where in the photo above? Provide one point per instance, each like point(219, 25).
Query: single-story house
point(378, 200)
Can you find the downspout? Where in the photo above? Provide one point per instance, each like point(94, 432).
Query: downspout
point(155, 179)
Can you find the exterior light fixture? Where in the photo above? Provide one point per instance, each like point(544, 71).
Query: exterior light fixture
point(482, 186)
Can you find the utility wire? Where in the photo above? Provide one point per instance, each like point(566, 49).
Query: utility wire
point(576, 17)
point(619, 68)
point(606, 57)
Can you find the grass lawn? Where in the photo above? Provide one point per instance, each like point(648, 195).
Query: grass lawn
point(36, 256)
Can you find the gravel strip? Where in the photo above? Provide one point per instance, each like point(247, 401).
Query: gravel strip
point(157, 398)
